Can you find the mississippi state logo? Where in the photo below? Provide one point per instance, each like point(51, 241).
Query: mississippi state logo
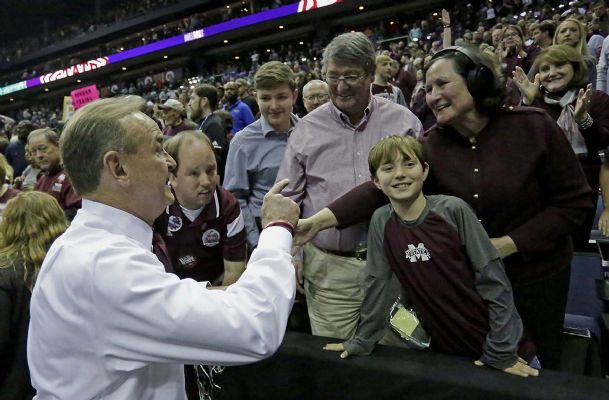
point(417, 253)
point(174, 224)
point(210, 238)
point(187, 261)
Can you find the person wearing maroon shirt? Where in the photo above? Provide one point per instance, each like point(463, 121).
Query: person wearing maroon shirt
point(201, 235)
point(173, 115)
point(203, 229)
point(44, 147)
point(561, 88)
point(515, 168)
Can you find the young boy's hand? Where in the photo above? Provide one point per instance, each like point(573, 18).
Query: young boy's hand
point(337, 347)
point(520, 368)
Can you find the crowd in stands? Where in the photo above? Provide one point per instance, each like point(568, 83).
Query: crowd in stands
point(15, 50)
point(454, 80)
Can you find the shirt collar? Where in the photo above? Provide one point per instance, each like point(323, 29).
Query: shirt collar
point(117, 221)
point(230, 107)
point(268, 130)
point(209, 212)
point(342, 117)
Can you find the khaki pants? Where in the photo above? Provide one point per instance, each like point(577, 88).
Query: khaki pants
point(333, 287)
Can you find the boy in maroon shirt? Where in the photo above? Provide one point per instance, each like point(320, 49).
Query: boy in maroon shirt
point(447, 267)
point(203, 229)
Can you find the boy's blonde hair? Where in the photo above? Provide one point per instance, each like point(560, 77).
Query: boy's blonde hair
point(383, 58)
point(273, 74)
point(390, 147)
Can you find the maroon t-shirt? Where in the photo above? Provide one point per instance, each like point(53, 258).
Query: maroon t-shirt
point(198, 249)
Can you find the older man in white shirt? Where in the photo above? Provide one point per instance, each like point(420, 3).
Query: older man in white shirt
point(107, 321)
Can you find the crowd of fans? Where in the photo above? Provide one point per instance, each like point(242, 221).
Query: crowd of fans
point(511, 241)
point(181, 26)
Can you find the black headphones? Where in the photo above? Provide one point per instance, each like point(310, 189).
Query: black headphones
point(480, 78)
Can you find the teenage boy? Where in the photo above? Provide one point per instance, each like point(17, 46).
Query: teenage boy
point(381, 86)
point(447, 267)
point(203, 228)
point(256, 152)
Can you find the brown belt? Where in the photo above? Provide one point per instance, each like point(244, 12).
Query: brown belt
point(358, 254)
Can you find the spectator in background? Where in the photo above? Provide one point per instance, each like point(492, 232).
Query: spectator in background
point(512, 51)
point(21, 255)
point(326, 157)
point(15, 151)
point(601, 17)
point(241, 113)
point(203, 102)
point(256, 152)
point(28, 178)
point(543, 33)
point(173, 115)
point(573, 33)
point(246, 96)
point(381, 87)
point(602, 67)
point(406, 78)
point(44, 146)
point(561, 88)
point(314, 94)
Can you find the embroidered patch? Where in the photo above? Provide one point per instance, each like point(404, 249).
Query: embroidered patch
point(56, 187)
point(174, 224)
point(187, 261)
point(211, 238)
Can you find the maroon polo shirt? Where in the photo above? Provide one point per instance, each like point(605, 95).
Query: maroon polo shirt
point(198, 249)
point(58, 184)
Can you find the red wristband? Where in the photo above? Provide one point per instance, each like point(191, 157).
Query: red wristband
point(283, 223)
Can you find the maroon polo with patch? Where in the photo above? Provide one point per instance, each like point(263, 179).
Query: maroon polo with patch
point(198, 249)
point(58, 184)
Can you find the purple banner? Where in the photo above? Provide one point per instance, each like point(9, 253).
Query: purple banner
point(149, 48)
point(236, 23)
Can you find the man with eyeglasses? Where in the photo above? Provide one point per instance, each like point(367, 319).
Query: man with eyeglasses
point(314, 94)
point(325, 157)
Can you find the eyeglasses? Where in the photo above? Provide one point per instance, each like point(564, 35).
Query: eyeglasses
point(348, 80)
point(318, 97)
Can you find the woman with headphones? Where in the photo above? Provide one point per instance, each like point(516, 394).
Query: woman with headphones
point(515, 169)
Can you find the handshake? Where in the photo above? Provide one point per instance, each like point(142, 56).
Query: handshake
point(276, 207)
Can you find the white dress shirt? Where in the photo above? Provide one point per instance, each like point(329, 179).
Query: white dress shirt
point(108, 322)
